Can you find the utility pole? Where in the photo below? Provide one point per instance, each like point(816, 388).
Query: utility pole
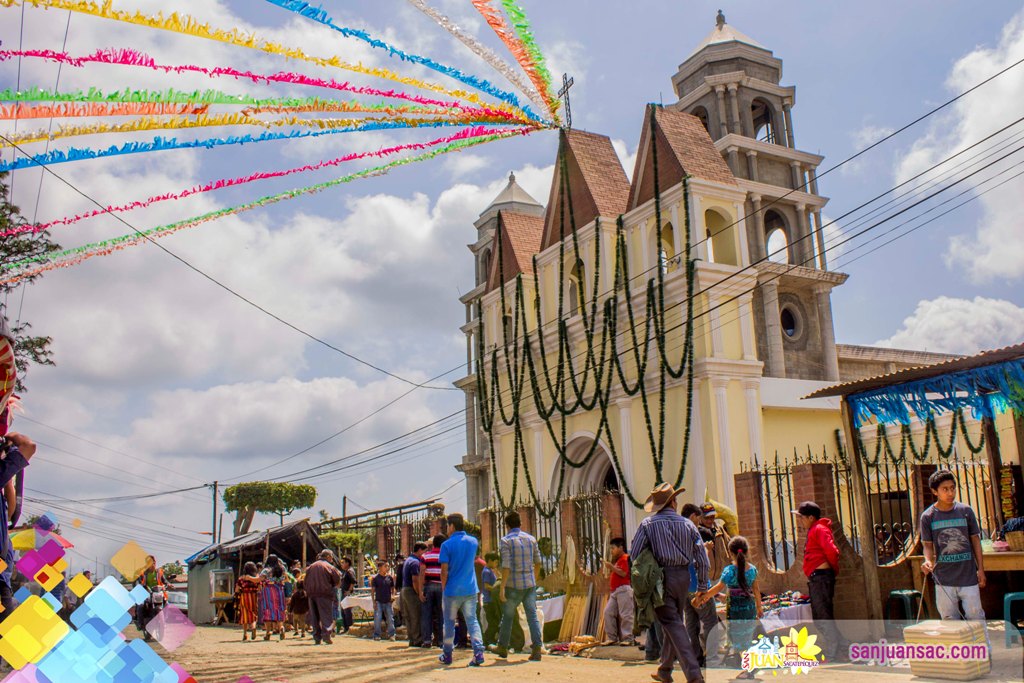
point(344, 507)
point(213, 522)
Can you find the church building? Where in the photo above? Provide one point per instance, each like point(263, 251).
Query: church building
point(674, 314)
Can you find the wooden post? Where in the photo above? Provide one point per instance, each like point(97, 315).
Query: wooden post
point(995, 464)
point(867, 541)
point(266, 548)
point(303, 548)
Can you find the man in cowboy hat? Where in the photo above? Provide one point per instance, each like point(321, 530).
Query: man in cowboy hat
point(676, 544)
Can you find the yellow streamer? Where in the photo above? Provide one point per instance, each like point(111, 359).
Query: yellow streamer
point(188, 25)
point(234, 119)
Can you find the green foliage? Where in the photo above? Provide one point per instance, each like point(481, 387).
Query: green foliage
point(270, 497)
point(28, 349)
point(342, 541)
point(172, 569)
point(473, 530)
point(279, 498)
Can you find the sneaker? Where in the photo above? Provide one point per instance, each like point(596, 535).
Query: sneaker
point(392, 638)
point(478, 659)
point(445, 658)
point(376, 637)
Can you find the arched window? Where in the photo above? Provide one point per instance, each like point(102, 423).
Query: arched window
point(764, 125)
point(776, 237)
point(485, 266)
point(576, 284)
point(702, 114)
point(506, 323)
point(667, 248)
point(721, 238)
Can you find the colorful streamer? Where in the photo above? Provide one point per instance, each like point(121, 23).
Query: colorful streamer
point(129, 57)
point(236, 119)
point(162, 144)
point(320, 15)
point(232, 182)
point(188, 25)
point(514, 43)
point(18, 270)
point(95, 102)
point(521, 24)
point(75, 110)
point(482, 51)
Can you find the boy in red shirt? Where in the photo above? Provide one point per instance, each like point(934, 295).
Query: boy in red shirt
point(821, 566)
point(618, 615)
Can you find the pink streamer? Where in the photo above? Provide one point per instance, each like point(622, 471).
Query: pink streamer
point(129, 57)
point(231, 182)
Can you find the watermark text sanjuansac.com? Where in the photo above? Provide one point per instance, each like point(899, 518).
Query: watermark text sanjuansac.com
point(884, 652)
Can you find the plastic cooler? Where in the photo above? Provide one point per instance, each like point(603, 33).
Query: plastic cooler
point(948, 633)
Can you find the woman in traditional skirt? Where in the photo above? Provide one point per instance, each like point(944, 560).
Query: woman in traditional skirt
point(247, 590)
point(744, 604)
point(272, 602)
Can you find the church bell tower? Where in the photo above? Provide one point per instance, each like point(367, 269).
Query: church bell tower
point(732, 84)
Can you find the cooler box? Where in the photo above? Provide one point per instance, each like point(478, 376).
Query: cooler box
point(947, 633)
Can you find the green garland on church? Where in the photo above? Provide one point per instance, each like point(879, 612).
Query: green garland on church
point(524, 356)
point(958, 423)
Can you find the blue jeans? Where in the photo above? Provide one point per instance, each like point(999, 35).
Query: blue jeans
point(383, 609)
point(453, 604)
point(513, 598)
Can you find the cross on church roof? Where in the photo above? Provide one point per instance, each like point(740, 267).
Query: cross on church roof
point(563, 93)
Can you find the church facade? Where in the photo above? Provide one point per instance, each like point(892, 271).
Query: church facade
point(662, 326)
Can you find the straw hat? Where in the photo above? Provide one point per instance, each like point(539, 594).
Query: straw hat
point(662, 495)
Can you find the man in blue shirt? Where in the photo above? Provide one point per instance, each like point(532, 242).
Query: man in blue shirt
point(458, 582)
point(412, 590)
point(520, 560)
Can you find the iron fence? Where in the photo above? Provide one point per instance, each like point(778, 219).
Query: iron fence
point(590, 530)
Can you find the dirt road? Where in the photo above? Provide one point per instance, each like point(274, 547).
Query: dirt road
point(218, 655)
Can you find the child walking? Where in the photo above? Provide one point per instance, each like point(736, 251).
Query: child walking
point(744, 601)
point(298, 607)
point(247, 590)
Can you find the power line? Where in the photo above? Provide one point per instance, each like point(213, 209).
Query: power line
point(99, 445)
point(117, 499)
point(218, 283)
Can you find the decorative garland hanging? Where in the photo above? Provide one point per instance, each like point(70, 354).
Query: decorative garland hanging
point(559, 390)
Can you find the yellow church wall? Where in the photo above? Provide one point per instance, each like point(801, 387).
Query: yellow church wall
point(729, 326)
point(786, 429)
point(739, 426)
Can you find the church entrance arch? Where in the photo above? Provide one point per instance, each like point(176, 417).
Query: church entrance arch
point(590, 489)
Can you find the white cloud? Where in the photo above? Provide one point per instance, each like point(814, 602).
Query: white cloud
point(461, 165)
point(626, 158)
point(994, 249)
point(965, 326)
point(868, 134)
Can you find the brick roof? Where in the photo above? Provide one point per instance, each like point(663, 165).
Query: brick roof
point(684, 148)
point(520, 235)
point(597, 186)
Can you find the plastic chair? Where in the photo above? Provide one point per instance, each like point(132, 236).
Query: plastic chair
point(1012, 633)
point(908, 600)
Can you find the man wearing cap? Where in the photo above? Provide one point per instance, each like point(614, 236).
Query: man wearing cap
point(711, 534)
point(675, 544)
point(821, 566)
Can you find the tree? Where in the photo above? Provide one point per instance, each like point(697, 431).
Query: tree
point(279, 498)
point(172, 569)
point(28, 349)
point(342, 542)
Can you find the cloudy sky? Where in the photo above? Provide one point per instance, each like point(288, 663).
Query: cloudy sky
point(165, 380)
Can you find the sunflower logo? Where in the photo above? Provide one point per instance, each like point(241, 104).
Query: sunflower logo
point(803, 646)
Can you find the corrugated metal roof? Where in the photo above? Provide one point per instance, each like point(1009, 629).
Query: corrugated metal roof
point(922, 372)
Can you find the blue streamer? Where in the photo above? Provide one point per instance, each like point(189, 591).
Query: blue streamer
point(161, 143)
point(985, 390)
point(320, 15)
